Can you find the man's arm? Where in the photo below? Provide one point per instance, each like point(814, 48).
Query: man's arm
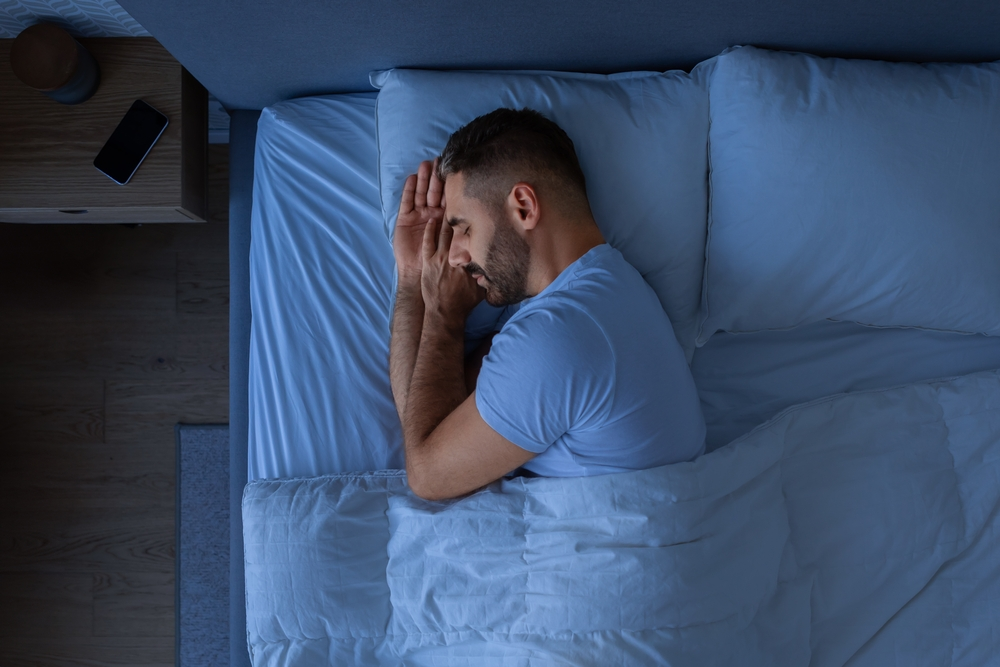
point(405, 331)
point(450, 450)
point(438, 381)
point(419, 205)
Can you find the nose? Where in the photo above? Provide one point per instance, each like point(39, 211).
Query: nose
point(458, 255)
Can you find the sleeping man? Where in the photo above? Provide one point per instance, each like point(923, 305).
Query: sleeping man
point(585, 378)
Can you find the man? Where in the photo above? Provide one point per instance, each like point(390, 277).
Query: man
point(585, 378)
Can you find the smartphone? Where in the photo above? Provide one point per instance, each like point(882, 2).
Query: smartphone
point(130, 142)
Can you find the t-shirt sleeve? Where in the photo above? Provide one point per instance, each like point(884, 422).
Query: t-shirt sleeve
point(548, 372)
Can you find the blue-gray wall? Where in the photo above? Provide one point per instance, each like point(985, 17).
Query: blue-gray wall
point(251, 53)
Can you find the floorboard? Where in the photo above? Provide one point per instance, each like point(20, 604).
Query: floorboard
point(136, 604)
point(110, 336)
point(67, 600)
point(93, 652)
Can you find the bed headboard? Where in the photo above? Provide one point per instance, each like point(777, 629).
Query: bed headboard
point(252, 53)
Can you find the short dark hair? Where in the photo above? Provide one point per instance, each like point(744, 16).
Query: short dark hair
point(505, 146)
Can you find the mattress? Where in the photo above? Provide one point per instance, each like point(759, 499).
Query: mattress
point(321, 276)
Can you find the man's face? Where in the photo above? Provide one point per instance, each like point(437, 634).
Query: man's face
point(486, 245)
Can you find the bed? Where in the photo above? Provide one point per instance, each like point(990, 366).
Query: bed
point(859, 463)
point(250, 60)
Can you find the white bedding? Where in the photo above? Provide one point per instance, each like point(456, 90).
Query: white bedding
point(856, 529)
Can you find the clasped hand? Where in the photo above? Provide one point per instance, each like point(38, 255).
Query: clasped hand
point(422, 245)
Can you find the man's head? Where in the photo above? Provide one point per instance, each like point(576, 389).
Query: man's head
point(502, 171)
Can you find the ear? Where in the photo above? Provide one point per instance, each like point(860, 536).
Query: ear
point(523, 203)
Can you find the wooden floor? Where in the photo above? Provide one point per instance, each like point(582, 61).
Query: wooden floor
point(109, 336)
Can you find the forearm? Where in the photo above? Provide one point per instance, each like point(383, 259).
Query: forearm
point(437, 385)
point(407, 323)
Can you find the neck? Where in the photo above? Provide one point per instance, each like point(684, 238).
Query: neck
point(565, 242)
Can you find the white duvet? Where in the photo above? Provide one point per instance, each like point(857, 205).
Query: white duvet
point(858, 529)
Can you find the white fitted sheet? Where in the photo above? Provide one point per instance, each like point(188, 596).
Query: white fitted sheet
point(321, 282)
point(320, 278)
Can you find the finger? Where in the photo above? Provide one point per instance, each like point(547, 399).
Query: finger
point(444, 238)
point(423, 179)
point(409, 187)
point(429, 244)
point(435, 188)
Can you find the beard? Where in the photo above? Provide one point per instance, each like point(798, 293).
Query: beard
point(506, 271)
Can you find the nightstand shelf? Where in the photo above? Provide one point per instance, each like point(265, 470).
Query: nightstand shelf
point(47, 149)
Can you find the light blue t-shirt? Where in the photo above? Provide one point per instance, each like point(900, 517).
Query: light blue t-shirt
point(589, 375)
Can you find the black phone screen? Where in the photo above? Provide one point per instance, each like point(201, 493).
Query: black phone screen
point(130, 142)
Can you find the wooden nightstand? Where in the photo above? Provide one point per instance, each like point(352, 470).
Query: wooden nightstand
point(47, 149)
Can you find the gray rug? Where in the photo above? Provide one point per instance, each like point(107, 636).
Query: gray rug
point(202, 603)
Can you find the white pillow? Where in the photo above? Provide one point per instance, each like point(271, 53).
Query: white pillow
point(852, 190)
point(642, 142)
